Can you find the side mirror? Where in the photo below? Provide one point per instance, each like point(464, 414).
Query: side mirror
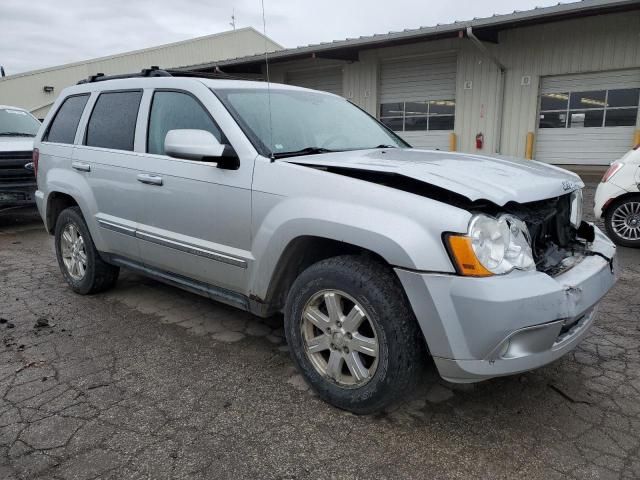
point(193, 145)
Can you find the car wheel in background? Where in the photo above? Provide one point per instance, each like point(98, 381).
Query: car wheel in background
point(79, 261)
point(622, 221)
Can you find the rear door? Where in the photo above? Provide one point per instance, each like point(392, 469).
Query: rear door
point(106, 158)
point(195, 219)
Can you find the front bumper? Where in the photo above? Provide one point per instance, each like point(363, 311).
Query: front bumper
point(479, 328)
point(17, 195)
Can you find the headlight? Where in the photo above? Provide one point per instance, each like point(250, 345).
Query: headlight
point(492, 246)
point(576, 208)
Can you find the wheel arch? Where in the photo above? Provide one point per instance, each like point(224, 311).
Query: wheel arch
point(56, 203)
point(607, 206)
point(300, 253)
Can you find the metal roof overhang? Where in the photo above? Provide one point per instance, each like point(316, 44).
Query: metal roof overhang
point(486, 29)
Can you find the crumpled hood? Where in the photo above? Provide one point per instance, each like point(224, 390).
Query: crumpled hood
point(16, 144)
point(497, 179)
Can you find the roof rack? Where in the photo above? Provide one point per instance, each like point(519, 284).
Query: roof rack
point(156, 71)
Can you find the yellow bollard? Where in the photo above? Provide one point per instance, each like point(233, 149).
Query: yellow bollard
point(636, 139)
point(452, 142)
point(528, 150)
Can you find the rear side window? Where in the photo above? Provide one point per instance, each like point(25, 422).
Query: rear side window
point(113, 120)
point(65, 123)
point(175, 111)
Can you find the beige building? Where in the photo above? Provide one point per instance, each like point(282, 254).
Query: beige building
point(38, 89)
point(560, 84)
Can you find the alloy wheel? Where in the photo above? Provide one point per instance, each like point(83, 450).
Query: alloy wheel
point(339, 338)
point(625, 220)
point(74, 254)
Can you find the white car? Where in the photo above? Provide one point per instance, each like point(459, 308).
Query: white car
point(617, 200)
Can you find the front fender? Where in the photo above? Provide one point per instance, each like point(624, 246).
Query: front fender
point(400, 238)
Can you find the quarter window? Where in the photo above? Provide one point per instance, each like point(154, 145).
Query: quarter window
point(594, 108)
point(175, 111)
point(65, 123)
point(416, 116)
point(113, 120)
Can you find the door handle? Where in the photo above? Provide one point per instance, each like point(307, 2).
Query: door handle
point(149, 179)
point(81, 167)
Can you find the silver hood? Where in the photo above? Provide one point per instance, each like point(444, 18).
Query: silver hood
point(476, 177)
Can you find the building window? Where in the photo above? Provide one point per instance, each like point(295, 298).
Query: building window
point(594, 108)
point(418, 116)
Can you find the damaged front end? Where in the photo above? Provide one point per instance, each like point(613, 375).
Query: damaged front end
point(558, 237)
point(557, 244)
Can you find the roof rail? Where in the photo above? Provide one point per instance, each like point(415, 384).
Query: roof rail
point(156, 71)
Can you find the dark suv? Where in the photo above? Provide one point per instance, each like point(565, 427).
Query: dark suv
point(17, 181)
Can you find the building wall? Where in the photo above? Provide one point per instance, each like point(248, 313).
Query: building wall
point(606, 42)
point(26, 90)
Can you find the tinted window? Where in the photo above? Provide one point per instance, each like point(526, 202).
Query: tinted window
point(627, 97)
point(427, 115)
point(176, 111)
point(113, 120)
point(587, 118)
point(621, 117)
point(593, 108)
point(592, 99)
point(554, 101)
point(65, 123)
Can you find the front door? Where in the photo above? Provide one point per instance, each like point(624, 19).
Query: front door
point(195, 219)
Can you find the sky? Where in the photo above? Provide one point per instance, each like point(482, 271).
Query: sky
point(44, 33)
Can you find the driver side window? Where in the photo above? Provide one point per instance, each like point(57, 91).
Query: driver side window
point(173, 111)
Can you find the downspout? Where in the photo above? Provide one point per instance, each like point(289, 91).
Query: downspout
point(501, 84)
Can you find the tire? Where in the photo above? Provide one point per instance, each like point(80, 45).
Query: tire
point(97, 275)
point(619, 216)
point(372, 287)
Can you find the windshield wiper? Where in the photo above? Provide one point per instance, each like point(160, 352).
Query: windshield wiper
point(385, 146)
point(17, 134)
point(304, 151)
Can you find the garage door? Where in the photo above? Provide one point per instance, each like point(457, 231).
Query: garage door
point(417, 98)
point(587, 119)
point(325, 79)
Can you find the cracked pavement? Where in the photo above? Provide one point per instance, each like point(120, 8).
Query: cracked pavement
point(150, 382)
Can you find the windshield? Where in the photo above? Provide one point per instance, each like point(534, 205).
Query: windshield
point(304, 122)
point(17, 123)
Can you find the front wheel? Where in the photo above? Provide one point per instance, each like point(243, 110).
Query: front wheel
point(352, 333)
point(622, 221)
point(78, 258)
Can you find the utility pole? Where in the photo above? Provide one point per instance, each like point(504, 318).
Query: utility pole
point(233, 19)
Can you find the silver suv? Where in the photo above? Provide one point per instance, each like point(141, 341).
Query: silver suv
point(273, 198)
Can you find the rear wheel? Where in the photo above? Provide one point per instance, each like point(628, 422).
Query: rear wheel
point(622, 221)
point(79, 261)
point(353, 334)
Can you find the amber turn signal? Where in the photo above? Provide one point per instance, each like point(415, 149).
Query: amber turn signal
point(464, 257)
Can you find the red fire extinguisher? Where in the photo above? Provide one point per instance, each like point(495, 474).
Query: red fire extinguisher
point(479, 141)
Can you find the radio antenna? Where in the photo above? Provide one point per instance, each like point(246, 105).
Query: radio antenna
point(266, 62)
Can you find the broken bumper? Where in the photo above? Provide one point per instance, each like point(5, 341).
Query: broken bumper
point(478, 328)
